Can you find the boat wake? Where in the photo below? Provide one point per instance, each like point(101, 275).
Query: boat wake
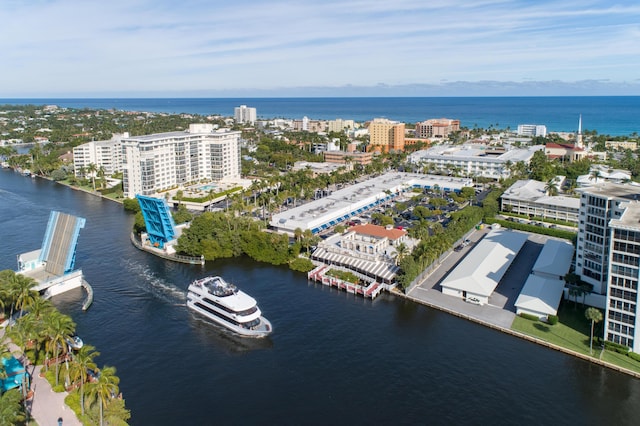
point(146, 280)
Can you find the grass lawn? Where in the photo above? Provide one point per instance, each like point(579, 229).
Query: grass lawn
point(572, 332)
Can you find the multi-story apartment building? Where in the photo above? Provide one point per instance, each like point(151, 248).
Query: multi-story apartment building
point(306, 125)
point(386, 135)
point(472, 160)
point(102, 154)
point(529, 197)
point(532, 130)
point(436, 128)
point(162, 161)
point(339, 125)
point(244, 114)
point(608, 255)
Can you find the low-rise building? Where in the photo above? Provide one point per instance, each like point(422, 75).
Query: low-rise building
point(369, 250)
point(529, 197)
point(473, 159)
point(342, 157)
point(532, 130)
point(479, 273)
point(341, 205)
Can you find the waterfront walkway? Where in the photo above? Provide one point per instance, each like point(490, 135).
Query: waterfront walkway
point(46, 406)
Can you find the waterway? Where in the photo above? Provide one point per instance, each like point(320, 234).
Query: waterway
point(333, 358)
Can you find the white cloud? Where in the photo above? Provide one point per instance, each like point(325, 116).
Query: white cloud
point(65, 46)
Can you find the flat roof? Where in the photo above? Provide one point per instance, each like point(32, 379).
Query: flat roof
point(474, 152)
point(348, 202)
point(630, 219)
point(483, 268)
point(541, 295)
point(534, 191)
point(613, 190)
point(555, 258)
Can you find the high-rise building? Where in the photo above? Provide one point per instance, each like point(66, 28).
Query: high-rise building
point(162, 161)
point(437, 128)
point(532, 130)
point(339, 125)
point(244, 114)
point(105, 155)
point(386, 135)
point(608, 255)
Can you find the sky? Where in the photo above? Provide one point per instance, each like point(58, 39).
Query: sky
point(254, 48)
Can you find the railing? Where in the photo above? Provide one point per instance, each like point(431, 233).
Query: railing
point(193, 260)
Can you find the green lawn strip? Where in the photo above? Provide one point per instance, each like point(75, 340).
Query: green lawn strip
point(559, 334)
point(572, 332)
point(621, 361)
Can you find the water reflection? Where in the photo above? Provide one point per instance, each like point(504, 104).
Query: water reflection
point(216, 335)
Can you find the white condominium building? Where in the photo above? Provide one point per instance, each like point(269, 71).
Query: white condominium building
point(102, 154)
point(244, 114)
point(532, 130)
point(473, 160)
point(339, 125)
point(153, 163)
point(608, 255)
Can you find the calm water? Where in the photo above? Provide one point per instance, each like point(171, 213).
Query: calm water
point(333, 358)
point(613, 115)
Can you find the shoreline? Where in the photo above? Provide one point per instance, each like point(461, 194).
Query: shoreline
point(458, 314)
point(520, 335)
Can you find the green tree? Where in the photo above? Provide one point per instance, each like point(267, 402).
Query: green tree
point(11, 410)
point(82, 362)
point(551, 188)
point(58, 328)
point(104, 389)
point(594, 315)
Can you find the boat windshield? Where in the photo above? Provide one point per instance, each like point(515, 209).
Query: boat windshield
point(220, 288)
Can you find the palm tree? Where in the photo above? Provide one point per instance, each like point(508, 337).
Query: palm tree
point(551, 188)
point(594, 315)
point(401, 251)
point(24, 293)
point(80, 366)
point(105, 388)
point(595, 175)
point(58, 328)
point(92, 169)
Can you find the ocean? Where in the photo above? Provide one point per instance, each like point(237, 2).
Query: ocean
point(610, 115)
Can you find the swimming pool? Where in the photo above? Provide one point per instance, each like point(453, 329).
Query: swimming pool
point(207, 187)
point(15, 374)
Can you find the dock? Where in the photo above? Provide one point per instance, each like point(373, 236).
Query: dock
point(192, 260)
point(369, 290)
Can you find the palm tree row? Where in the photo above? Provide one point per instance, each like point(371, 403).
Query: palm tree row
point(42, 333)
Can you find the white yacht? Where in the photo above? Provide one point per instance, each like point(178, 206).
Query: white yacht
point(223, 303)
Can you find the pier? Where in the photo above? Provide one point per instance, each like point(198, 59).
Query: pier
point(370, 290)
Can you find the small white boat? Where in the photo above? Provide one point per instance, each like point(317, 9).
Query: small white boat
point(75, 343)
point(224, 304)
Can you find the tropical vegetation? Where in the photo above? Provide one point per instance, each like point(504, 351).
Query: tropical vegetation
point(42, 333)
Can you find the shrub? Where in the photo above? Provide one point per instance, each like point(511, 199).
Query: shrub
point(552, 319)
point(634, 356)
point(301, 264)
point(529, 317)
point(131, 205)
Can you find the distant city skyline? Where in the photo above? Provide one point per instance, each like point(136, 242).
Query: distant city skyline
point(194, 48)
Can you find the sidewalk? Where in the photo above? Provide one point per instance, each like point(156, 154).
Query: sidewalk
point(46, 406)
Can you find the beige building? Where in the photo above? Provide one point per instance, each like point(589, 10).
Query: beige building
point(339, 125)
point(437, 128)
point(342, 157)
point(632, 145)
point(386, 135)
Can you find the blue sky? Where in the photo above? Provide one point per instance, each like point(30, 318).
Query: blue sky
point(299, 47)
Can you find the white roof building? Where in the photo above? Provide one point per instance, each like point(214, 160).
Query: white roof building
point(530, 198)
point(474, 159)
point(540, 297)
point(475, 278)
point(343, 204)
point(554, 260)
